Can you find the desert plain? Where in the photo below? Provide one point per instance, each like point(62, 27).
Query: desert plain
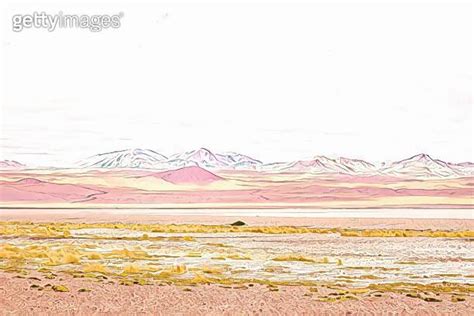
point(194, 242)
point(90, 262)
point(196, 187)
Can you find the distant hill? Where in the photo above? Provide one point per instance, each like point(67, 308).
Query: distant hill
point(188, 175)
point(35, 190)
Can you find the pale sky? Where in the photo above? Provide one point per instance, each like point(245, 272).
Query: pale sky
point(274, 81)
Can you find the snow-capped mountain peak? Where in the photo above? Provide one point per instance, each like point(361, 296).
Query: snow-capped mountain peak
point(229, 160)
point(11, 164)
point(423, 158)
point(421, 165)
point(202, 157)
point(417, 166)
point(316, 165)
point(128, 158)
point(357, 165)
point(149, 159)
point(236, 158)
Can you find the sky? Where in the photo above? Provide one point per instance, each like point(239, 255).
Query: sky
point(276, 81)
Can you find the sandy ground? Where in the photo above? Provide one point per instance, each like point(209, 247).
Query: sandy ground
point(138, 216)
point(17, 298)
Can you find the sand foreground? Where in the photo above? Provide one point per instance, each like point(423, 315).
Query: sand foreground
point(93, 263)
point(18, 298)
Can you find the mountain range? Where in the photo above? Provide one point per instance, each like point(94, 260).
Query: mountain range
point(418, 166)
point(421, 165)
point(11, 164)
point(129, 158)
point(324, 165)
point(149, 159)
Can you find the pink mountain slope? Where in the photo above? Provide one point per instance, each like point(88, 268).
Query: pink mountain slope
point(34, 190)
point(188, 175)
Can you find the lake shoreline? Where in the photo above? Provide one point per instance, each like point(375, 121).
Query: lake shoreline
point(219, 217)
